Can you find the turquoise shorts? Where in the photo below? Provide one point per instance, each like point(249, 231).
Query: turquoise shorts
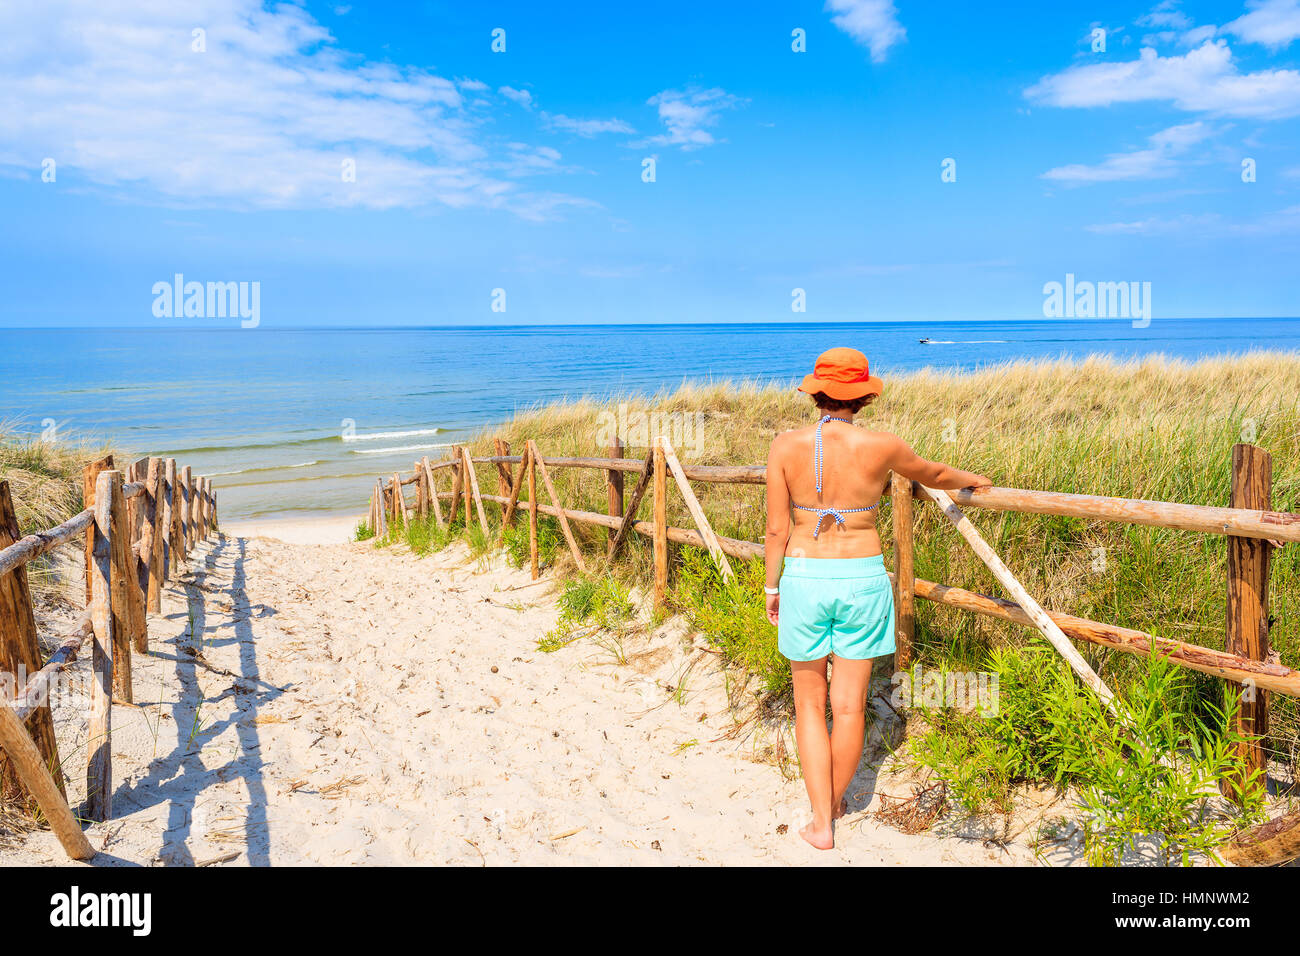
point(840, 606)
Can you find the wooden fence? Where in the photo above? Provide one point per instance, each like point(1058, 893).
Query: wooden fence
point(1251, 527)
point(138, 530)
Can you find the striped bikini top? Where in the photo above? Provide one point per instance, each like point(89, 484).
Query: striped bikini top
point(824, 513)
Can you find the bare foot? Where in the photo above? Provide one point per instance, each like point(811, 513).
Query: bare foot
point(842, 809)
point(823, 839)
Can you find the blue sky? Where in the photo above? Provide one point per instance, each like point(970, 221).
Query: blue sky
point(522, 170)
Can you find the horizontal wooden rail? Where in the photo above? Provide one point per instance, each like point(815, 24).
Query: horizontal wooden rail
point(1207, 519)
point(34, 692)
point(1240, 522)
point(41, 542)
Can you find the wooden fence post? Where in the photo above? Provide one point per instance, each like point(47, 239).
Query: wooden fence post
point(661, 526)
point(503, 470)
point(532, 511)
point(433, 492)
point(99, 755)
point(904, 572)
point(457, 482)
point(20, 655)
point(421, 499)
point(381, 509)
point(614, 479)
point(192, 511)
point(171, 503)
point(157, 569)
point(121, 581)
point(399, 503)
point(182, 510)
point(1248, 569)
point(89, 475)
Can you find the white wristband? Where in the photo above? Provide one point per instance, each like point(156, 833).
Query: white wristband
point(767, 590)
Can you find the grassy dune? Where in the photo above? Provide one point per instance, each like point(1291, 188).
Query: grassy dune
point(45, 482)
point(1155, 428)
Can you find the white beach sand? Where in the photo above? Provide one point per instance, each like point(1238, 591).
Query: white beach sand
point(338, 704)
point(336, 529)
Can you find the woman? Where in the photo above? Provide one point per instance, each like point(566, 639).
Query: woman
point(824, 484)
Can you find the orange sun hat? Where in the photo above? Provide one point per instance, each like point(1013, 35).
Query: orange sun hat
point(843, 375)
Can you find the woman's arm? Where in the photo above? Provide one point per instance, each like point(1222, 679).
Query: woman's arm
point(778, 526)
point(934, 474)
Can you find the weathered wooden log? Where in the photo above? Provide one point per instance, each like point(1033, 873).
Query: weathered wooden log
point(433, 493)
point(614, 486)
point(171, 510)
point(29, 765)
point(474, 492)
point(182, 509)
point(89, 479)
point(35, 693)
point(532, 512)
point(503, 470)
point(1271, 843)
point(697, 512)
point(20, 656)
point(535, 456)
point(1248, 561)
point(121, 582)
point(154, 538)
point(457, 481)
point(1042, 621)
point(99, 750)
point(34, 545)
point(137, 632)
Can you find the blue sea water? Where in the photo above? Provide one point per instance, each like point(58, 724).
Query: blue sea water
point(303, 419)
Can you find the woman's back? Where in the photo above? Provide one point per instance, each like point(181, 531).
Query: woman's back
point(855, 468)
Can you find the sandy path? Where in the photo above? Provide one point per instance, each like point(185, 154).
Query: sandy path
point(342, 709)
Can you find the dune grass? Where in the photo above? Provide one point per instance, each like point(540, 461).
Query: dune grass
point(45, 483)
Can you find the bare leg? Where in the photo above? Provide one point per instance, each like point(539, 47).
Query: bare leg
point(814, 747)
point(849, 682)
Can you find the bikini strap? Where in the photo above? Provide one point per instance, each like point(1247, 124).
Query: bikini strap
point(817, 448)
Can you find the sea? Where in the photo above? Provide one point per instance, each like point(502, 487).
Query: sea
point(299, 421)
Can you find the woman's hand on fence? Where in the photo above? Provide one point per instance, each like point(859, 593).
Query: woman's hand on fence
point(979, 481)
point(773, 606)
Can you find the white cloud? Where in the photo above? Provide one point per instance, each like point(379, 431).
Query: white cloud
point(686, 113)
point(522, 97)
point(586, 128)
point(1202, 80)
point(1165, 14)
point(1272, 23)
point(1205, 225)
point(264, 118)
point(1155, 161)
point(872, 23)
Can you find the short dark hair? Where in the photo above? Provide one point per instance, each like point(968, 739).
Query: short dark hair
point(854, 405)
